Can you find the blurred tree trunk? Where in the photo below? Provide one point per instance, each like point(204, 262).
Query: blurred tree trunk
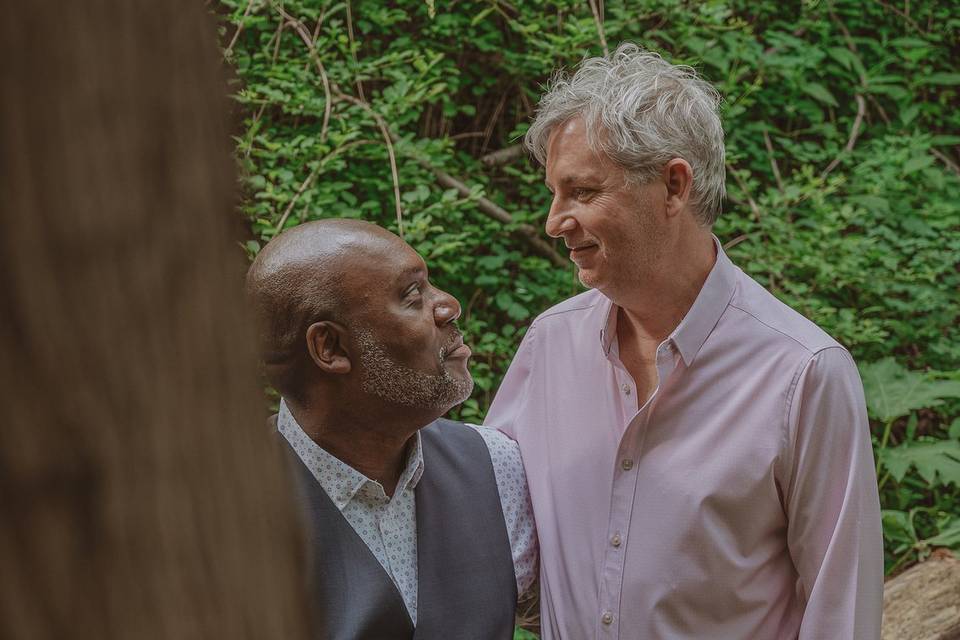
point(141, 497)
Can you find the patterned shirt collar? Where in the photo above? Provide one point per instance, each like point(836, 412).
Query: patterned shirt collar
point(702, 317)
point(338, 479)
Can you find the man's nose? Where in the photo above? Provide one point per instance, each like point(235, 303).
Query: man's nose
point(559, 221)
point(447, 308)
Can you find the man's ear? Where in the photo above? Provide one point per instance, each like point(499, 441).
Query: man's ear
point(327, 345)
point(678, 176)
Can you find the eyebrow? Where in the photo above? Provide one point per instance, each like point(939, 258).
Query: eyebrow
point(416, 271)
point(577, 178)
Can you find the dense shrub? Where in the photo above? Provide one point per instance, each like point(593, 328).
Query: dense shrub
point(842, 127)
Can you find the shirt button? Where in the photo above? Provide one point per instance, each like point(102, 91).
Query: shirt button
point(615, 540)
point(627, 464)
point(606, 618)
point(626, 389)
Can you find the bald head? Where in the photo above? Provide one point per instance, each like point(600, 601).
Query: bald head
point(298, 279)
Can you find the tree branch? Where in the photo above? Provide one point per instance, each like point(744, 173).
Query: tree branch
point(388, 140)
point(528, 232)
point(598, 20)
point(502, 156)
point(852, 139)
point(861, 103)
point(773, 161)
point(307, 40)
point(236, 34)
point(945, 159)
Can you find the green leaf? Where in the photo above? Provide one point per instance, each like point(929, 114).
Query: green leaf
point(936, 462)
point(842, 55)
point(819, 92)
point(872, 203)
point(909, 114)
point(949, 536)
point(944, 140)
point(946, 79)
point(893, 391)
point(954, 431)
point(897, 527)
point(916, 163)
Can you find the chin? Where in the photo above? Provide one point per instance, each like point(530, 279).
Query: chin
point(589, 279)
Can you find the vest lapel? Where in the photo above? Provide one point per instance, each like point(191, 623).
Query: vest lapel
point(467, 588)
point(355, 598)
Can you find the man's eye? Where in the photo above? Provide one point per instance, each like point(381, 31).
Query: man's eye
point(580, 194)
point(413, 291)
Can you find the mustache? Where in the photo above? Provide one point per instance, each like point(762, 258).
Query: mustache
point(456, 339)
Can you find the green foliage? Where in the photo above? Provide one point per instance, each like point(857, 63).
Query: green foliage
point(842, 125)
point(893, 392)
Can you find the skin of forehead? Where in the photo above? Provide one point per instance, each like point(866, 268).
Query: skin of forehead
point(358, 255)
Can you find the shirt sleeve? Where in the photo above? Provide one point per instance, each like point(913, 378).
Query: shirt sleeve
point(833, 509)
point(506, 411)
point(515, 502)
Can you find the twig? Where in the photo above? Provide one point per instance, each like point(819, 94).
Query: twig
point(910, 21)
point(387, 139)
point(488, 131)
point(276, 44)
point(236, 34)
point(316, 34)
point(861, 103)
point(731, 244)
point(773, 160)
point(746, 192)
point(488, 207)
point(945, 159)
point(495, 211)
point(307, 40)
point(598, 20)
point(303, 187)
point(467, 134)
point(313, 176)
point(852, 139)
point(353, 52)
point(502, 156)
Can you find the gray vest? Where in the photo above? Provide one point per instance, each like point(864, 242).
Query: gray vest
point(467, 587)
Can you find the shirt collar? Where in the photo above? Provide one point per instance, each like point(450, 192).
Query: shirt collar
point(702, 317)
point(338, 479)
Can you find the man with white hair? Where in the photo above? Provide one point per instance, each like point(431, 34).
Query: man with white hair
point(698, 454)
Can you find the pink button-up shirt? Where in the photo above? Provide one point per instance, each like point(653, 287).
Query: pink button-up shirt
point(740, 501)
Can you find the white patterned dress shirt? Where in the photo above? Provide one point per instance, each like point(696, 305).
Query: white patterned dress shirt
point(388, 526)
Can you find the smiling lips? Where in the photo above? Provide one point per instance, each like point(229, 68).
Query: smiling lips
point(581, 250)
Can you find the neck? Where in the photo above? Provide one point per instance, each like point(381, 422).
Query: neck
point(661, 299)
point(376, 447)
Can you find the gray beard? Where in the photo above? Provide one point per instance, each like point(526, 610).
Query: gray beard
point(385, 378)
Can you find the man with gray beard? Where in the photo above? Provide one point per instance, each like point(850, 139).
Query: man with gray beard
point(419, 527)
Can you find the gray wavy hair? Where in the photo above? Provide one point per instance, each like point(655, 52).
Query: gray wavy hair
point(642, 112)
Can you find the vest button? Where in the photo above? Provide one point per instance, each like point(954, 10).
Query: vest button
point(627, 464)
point(626, 389)
point(606, 618)
point(615, 540)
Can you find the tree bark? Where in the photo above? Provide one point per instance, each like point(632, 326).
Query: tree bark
point(923, 603)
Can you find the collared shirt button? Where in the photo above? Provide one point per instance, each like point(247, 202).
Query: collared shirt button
point(626, 389)
point(615, 540)
point(627, 464)
point(606, 618)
